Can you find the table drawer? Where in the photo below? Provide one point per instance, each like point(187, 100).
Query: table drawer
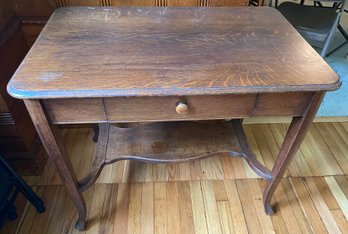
point(136, 109)
point(87, 110)
point(140, 109)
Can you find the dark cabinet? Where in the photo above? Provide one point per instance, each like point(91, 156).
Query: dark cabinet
point(19, 142)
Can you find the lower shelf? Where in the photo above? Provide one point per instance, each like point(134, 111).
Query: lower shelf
point(170, 142)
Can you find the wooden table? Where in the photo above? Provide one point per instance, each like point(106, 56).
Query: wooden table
point(169, 67)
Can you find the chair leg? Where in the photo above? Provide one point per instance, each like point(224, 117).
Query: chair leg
point(22, 187)
point(11, 211)
point(345, 35)
point(318, 3)
point(326, 46)
point(342, 31)
point(34, 199)
point(337, 48)
point(339, 5)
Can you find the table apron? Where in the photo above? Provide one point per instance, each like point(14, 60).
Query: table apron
point(147, 109)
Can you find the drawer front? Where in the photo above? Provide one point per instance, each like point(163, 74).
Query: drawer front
point(137, 109)
point(87, 110)
point(143, 109)
point(281, 104)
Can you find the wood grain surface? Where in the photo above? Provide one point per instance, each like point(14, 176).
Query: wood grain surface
point(94, 52)
point(53, 144)
point(147, 109)
point(138, 109)
point(172, 142)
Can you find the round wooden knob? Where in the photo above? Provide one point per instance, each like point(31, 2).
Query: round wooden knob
point(181, 108)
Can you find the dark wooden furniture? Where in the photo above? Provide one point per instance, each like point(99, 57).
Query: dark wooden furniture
point(19, 143)
point(165, 66)
point(10, 185)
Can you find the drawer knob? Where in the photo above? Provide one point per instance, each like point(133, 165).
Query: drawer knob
point(181, 108)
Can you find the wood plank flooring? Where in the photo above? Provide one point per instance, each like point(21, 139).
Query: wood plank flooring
point(214, 195)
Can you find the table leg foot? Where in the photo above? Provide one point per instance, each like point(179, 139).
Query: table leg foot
point(267, 196)
point(268, 209)
point(80, 223)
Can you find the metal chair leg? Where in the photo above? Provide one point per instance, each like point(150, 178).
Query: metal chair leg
point(22, 187)
point(343, 32)
point(345, 35)
point(34, 199)
point(327, 43)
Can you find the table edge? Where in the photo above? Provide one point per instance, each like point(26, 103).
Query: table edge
point(24, 94)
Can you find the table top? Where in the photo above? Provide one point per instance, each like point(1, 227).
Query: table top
point(148, 51)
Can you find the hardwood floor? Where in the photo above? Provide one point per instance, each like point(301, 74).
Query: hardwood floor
point(214, 195)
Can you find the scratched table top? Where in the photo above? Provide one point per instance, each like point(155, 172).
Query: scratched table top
point(106, 52)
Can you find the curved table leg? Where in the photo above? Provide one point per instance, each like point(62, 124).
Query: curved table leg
point(292, 141)
point(99, 158)
point(53, 144)
point(247, 154)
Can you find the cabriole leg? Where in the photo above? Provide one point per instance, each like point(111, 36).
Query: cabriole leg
point(292, 141)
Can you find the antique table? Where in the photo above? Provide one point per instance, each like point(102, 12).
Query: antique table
point(169, 67)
